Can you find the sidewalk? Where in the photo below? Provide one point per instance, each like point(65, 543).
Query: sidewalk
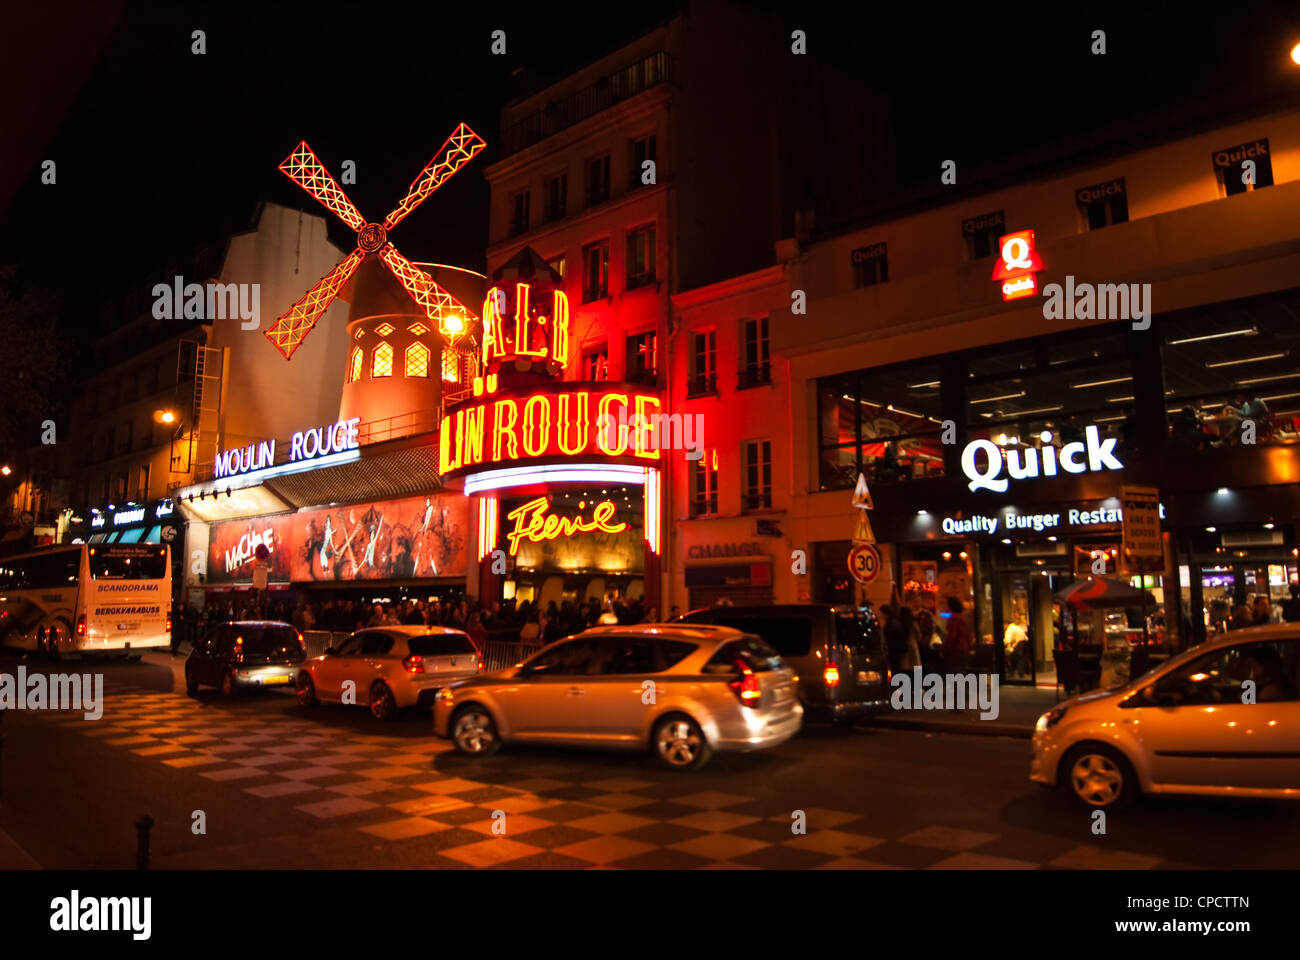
point(1018, 710)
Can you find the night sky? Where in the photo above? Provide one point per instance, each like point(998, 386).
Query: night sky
point(157, 148)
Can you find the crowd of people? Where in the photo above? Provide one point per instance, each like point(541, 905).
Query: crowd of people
point(917, 638)
point(508, 620)
point(1225, 614)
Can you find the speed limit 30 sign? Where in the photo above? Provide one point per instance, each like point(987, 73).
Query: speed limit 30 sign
point(864, 562)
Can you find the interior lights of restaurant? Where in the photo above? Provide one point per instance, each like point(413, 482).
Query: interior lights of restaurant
point(1248, 332)
point(1241, 360)
point(947, 555)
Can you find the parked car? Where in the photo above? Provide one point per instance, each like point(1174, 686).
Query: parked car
point(681, 691)
point(837, 651)
point(390, 668)
point(240, 654)
point(1192, 725)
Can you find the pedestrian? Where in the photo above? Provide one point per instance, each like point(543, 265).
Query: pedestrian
point(477, 633)
point(376, 616)
point(1241, 617)
point(895, 637)
point(674, 613)
point(958, 647)
point(531, 629)
point(1291, 606)
point(912, 635)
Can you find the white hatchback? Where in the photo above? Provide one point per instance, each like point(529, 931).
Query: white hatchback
point(389, 668)
point(1221, 719)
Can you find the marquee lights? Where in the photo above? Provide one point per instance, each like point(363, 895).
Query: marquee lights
point(533, 523)
point(575, 421)
point(554, 473)
point(528, 339)
point(1018, 265)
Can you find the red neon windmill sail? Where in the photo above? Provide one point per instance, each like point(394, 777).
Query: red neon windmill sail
point(305, 169)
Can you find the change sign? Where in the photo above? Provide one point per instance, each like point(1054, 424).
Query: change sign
point(1143, 548)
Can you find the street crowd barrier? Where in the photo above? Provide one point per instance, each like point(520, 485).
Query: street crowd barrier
point(500, 654)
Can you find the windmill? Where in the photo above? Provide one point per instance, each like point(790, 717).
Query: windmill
point(445, 311)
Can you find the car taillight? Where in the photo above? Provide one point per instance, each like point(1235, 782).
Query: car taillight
point(481, 664)
point(81, 625)
point(239, 649)
point(413, 664)
point(746, 688)
point(831, 675)
point(169, 624)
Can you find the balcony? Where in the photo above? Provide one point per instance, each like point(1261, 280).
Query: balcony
point(604, 93)
point(755, 376)
point(702, 386)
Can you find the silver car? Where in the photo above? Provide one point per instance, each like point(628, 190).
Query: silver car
point(679, 690)
point(389, 668)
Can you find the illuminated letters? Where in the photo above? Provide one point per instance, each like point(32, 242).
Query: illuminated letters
point(537, 426)
point(605, 420)
point(581, 421)
point(505, 414)
point(533, 523)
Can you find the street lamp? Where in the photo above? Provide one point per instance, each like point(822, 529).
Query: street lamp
point(1295, 54)
point(164, 416)
point(5, 470)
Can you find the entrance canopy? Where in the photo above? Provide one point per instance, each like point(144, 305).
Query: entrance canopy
point(1097, 593)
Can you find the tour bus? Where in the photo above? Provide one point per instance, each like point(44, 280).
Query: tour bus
point(98, 598)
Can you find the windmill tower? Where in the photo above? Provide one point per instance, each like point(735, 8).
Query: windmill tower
point(401, 349)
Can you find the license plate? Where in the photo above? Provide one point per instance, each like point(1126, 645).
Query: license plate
point(783, 694)
point(868, 676)
point(268, 680)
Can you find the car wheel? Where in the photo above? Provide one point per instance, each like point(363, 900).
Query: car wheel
point(229, 688)
point(1100, 777)
point(680, 744)
point(191, 685)
point(383, 705)
point(473, 732)
point(306, 691)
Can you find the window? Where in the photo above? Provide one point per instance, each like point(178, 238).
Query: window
point(573, 658)
point(597, 180)
point(442, 645)
point(640, 257)
point(417, 360)
point(1103, 204)
point(557, 198)
point(559, 264)
point(981, 234)
point(143, 492)
point(595, 261)
point(642, 357)
point(519, 213)
point(450, 367)
point(384, 329)
point(704, 364)
point(350, 647)
point(1231, 166)
point(376, 643)
point(595, 363)
point(758, 366)
point(642, 150)
point(1218, 677)
point(754, 653)
point(381, 364)
point(354, 367)
point(870, 265)
point(418, 329)
point(704, 484)
point(631, 656)
point(881, 422)
point(127, 434)
point(758, 475)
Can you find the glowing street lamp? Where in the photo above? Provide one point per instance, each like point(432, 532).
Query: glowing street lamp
point(5, 470)
point(164, 416)
point(1295, 54)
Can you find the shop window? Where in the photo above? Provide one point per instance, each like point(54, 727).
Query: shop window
point(597, 180)
point(757, 369)
point(417, 360)
point(640, 257)
point(354, 367)
point(595, 262)
point(381, 364)
point(643, 357)
point(1232, 167)
point(557, 198)
point(704, 484)
point(883, 423)
point(1103, 204)
point(704, 364)
point(641, 150)
point(758, 475)
point(1230, 375)
point(870, 265)
point(595, 363)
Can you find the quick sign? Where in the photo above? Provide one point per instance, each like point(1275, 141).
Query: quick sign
point(1018, 265)
point(1099, 191)
point(1092, 455)
point(1233, 156)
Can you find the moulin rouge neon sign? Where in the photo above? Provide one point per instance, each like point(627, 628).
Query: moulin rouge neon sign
point(533, 523)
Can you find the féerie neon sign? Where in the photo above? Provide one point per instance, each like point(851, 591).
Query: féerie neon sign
point(533, 523)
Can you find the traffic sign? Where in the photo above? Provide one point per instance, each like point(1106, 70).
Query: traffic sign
point(861, 495)
point(863, 532)
point(864, 562)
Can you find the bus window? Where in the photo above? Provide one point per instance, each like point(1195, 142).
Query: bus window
point(126, 562)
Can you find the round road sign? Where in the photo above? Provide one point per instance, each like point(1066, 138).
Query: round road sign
point(864, 562)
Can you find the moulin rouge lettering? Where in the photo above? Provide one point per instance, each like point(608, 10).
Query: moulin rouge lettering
point(532, 522)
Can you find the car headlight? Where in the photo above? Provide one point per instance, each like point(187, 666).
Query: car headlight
point(1051, 718)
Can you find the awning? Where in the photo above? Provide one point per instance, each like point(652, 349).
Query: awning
point(1097, 593)
point(389, 475)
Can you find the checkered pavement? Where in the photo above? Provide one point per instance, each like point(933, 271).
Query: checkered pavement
point(565, 815)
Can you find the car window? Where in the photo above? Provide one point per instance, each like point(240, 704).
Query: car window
point(857, 632)
point(376, 644)
point(751, 651)
point(788, 636)
point(225, 640)
point(442, 645)
point(351, 646)
point(270, 642)
point(573, 657)
point(630, 656)
point(1220, 677)
point(675, 651)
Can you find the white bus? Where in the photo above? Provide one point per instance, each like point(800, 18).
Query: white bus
point(98, 598)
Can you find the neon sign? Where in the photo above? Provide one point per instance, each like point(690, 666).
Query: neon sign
point(574, 420)
point(527, 338)
point(338, 437)
point(534, 524)
point(1018, 265)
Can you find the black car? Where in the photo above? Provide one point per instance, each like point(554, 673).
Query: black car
point(240, 654)
point(838, 652)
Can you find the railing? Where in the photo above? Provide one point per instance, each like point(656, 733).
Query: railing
point(318, 641)
point(502, 654)
point(401, 425)
point(755, 376)
point(604, 93)
point(702, 386)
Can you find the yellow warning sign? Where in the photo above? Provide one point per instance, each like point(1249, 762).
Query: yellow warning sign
point(863, 532)
point(861, 495)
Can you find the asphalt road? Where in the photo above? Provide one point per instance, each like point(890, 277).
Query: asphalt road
point(331, 787)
